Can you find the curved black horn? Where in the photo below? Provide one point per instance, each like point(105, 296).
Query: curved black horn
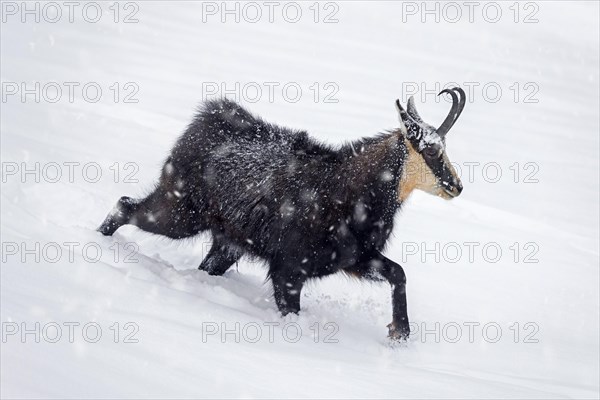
point(455, 111)
point(449, 121)
point(461, 103)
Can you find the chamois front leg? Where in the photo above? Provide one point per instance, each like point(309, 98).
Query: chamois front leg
point(399, 328)
point(379, 268)
point(221, 256)
point(287, 286)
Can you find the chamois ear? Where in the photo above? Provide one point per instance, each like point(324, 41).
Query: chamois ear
point(412, 110)
point(403, 116)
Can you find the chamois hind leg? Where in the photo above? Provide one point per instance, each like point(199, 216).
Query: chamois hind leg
point(159, 213)
point(119, 215)
point(167, 211)
point(221, 256)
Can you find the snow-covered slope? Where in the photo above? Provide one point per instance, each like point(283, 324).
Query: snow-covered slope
point(541, 134)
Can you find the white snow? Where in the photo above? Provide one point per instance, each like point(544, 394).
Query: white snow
point(171, 316)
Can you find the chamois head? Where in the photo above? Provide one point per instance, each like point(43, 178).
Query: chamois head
point(427, 166)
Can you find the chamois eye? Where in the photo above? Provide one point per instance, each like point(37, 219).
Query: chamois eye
point(430, 152)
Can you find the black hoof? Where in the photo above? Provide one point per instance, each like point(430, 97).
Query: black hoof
point(108, 227)
point(398, 333)
point(287, 311)
point(119, 216)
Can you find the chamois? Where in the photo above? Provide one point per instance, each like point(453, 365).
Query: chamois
point(307, 209)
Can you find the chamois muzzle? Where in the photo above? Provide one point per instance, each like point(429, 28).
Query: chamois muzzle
point(453, 189)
